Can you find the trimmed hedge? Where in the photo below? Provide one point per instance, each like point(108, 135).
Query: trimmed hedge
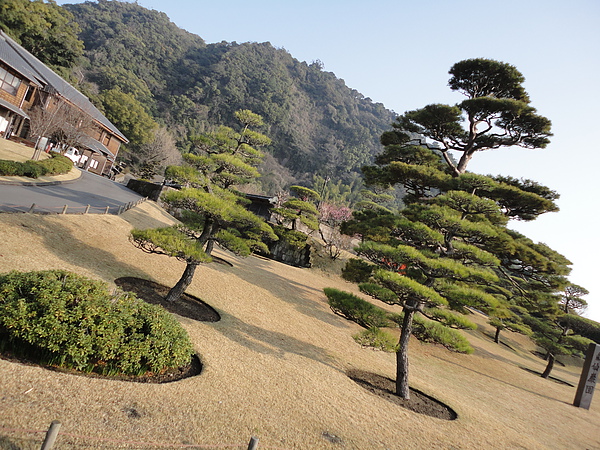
point(356, 309)
point(377, 339)
point(56, 165)
point(357, 270)
point(61, 318)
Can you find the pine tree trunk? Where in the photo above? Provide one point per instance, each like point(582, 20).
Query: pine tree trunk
point(497, 336)
point(402, 388)
point(180, 287)
point(209, 247)
point(207, 237)
point(549, 366)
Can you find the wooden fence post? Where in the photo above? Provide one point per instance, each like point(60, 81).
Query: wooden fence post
point(51, 435)
point(107, 208)
point(32, 208)
point(64, 211)
point(87, 209)
point(253, 445)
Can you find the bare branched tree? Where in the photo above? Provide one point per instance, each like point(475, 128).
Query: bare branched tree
point(154, 156)
point(75, 127)
point(44, 122)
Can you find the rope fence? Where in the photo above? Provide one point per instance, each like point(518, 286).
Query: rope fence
point(46, 440)
point(66, 209)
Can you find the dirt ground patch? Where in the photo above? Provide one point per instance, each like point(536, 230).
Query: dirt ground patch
point(155, 293)
point(418, 402)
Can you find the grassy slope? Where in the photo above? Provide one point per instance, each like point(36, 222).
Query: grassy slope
point(274, 366)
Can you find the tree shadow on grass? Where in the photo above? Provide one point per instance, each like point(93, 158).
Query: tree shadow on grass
point(498, 379)
point(539, 374)
point(257, 339)
point(187, 306)
point(61, 241)
point(255, 270)
point(273, 343)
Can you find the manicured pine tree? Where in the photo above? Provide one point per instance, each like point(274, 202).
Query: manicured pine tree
point(451, 241)
point(553, 329)
point(209, 208)
point(300, 208)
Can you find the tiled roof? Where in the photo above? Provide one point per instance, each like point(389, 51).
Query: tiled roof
point(13, 108)
point(13, 60)
point(37, 72)
point(98, 147)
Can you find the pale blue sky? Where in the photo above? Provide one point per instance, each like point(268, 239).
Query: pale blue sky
point(398, 53)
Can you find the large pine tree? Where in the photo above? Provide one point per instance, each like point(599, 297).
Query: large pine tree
point(450, 248)
point(209, 208)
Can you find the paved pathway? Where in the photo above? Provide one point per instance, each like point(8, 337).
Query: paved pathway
point(88, 192)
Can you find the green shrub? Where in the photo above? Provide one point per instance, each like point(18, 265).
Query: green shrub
point(57, 164)
point(68, 320)
point(379, 292)
point(356, 309)
point(33, 169)
point(426, 330)
point(11, 168)
point(357, 270)
point(376, 338)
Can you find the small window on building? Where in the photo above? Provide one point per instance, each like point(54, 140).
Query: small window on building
point(29, 94)
point(8, 82)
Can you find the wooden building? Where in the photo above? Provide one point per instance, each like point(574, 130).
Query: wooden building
point(35, 102)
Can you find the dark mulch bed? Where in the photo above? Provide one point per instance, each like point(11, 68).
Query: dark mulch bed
point(418, 402)
point(151, 292)
point(191, 370)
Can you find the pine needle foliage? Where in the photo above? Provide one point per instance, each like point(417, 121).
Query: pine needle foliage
point(449, 247)
point(211, 211)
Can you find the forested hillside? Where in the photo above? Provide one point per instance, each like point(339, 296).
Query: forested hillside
point(318, 125)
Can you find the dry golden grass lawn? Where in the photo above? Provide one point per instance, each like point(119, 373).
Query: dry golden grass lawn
point(274, 366)
point(16, 152)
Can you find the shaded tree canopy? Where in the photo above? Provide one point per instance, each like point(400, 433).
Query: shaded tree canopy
point(45, 29)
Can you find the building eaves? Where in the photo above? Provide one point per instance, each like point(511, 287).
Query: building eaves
point(29, 66)
point(13, 108)
point(97, 147)
point(13, 60)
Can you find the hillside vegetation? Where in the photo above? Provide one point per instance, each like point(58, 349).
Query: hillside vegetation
point(318, 124)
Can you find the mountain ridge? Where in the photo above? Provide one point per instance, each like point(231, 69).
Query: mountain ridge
point(319, 125)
